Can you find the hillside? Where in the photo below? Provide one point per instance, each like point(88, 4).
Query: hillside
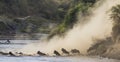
point(39, 16)
point(30, 16)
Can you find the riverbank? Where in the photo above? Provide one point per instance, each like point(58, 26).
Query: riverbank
point(105, 48)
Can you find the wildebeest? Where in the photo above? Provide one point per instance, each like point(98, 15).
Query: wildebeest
point(11, 54)
point(40, 53)
point(64, 51)
point(56, 53)
point(75, 51)
point(20, 53)
point(8, 41)
point(3, 53)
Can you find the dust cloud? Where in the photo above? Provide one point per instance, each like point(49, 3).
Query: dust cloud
point(81, 37)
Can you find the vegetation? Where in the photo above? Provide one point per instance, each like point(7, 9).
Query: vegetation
point(42, 13)
point(23, 8)
point(116, 22)
point(71, 15)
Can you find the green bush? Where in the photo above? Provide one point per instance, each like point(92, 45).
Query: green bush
point(71, 17)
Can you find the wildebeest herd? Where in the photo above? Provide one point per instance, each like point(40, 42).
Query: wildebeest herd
point(55, 52)
point(64, 51)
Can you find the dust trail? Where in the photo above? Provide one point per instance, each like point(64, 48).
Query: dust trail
point(81, 37)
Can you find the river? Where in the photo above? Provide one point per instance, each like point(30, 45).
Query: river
point(17, 44)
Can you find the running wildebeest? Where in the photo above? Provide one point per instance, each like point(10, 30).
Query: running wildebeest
point(20, 53)
point(3, 53)
point(11, 54)
point(56, 53)
point(40, 53)
point(75, 51)
point(64, 51)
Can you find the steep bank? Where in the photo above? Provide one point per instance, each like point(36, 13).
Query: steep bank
point(109, 47)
